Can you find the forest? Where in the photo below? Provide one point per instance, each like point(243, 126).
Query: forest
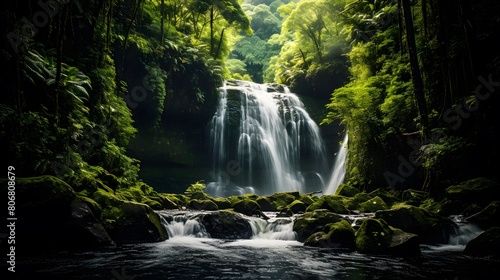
point(83, 79)
point(113, 97)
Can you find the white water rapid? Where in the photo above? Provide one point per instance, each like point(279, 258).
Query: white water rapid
point(263, 141)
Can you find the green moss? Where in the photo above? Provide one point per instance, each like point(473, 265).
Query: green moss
point(266, 204)
point(222, 203)
point(152, 203)
point(373, 237)
point(332, 203)
point(282, 199)
point(475, 190)
point(203, 204)
point(307, 199)
point(352, 203)
point(388, 197)
point(313, 221)
point(106, 199)
point(346, 190)
point(296, 206)
point(42, 190)
point(431, 205)
point(372, 205)
point(247, 207)
point(93, 205)
point(233, 199)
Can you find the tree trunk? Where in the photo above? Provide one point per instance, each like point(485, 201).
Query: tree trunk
point(418, 85)
point(162, 21)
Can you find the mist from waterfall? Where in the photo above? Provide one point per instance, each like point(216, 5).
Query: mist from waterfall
point(262, 140)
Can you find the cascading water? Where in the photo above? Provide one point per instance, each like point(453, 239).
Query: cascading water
point(339, 170)
point(263, 141)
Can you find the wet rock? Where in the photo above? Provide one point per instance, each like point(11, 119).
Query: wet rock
point(332, 203)
point(376, 237)
point(347, 191)
point(247, 207)
point(314, 221)
point(431, 228)
point(135, 223)
point(297, 206)
point(488, 217)
point(203, 204)
point(335, 235)
point(372, 205)
point(226, 224)
point(487, 244)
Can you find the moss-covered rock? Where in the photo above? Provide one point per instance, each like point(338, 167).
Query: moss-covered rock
point(372, 205)
point(488, 217)
point(414, 197)
point(266, 204)
point(313, 221)
point(352, 203)
point(475, 190)
point(373, 237)
point(282, 199)
point(431, 205)
point(431, 228)
point(83, 229)
point(347, 190)
point(154, 204)
point(226, 224)
point(307, 199)
point(135, 223)
point(93, 206)
point(334, 235)
point(296, 206)
point(222, 203)
point(388, 197)
point(247, 207)
point(332, 203)
point(203, 204)
point(487, 244)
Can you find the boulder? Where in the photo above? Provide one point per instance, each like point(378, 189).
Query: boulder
point(431, 228)
point(266, 204)
point(375, 236)
point(332, 203)
point(314, 221)
point(222, 203)
point(478, 192)
point(352, 203)
point(297, 206)
point(388, 197)
point(247, 207)
point(339, 235)
point(135, 223)
point(347, 191)
point(203, 204)
point(83, 229)
point(372, 205)
point(488, 217)
point(414, 197)
point(226, 224)
point(487, 244)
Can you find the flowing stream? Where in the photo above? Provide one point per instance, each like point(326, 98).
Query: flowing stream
point(271, 253)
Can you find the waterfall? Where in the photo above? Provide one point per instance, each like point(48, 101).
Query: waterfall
point(338, 173)
point(274, 229)
point(183, 225)
point(263, 141)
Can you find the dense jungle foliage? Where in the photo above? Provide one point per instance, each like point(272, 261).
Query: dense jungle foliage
point(414, 83)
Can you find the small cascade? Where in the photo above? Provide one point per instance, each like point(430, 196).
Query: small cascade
point(263, 141)
point(274, 229)
point(339, 170)
point(466, 232)
point(183, 225)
